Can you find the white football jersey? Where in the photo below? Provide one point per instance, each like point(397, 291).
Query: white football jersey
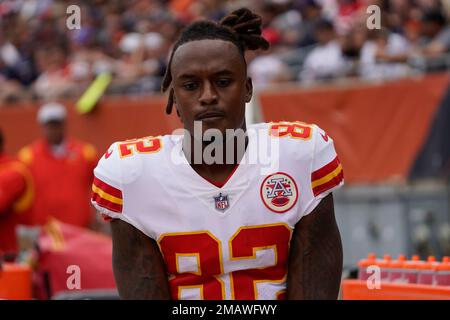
point(228, 242)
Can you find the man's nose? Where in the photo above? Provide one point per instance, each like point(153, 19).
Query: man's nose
point(208, 95)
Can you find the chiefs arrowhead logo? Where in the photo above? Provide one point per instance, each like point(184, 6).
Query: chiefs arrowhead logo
point(279, 192)
point(108, 153)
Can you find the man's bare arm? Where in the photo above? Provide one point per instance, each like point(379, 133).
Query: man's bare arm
point(315, 261)
point(138, 265)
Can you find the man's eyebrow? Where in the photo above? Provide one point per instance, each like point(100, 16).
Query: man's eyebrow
point(224, 72)
point(188, 75)
point(185, 76)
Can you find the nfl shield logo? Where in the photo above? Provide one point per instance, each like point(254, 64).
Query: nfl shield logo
point(221, 202)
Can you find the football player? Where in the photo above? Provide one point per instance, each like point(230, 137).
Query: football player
point(199, 230)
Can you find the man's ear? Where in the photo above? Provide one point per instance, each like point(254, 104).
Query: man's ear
point(249, 89)
point(176, 107)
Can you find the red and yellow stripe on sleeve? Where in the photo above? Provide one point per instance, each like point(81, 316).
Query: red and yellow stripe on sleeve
point(107, 196)
point(327, 177)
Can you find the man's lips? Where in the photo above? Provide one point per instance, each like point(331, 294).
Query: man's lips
point(210, 115)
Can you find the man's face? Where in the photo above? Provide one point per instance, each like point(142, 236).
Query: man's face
point(430, 29)
point(54, 132)
point(210, 84)
point(324, 36)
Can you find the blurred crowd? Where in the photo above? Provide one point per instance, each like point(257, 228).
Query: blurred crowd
point(311, 40)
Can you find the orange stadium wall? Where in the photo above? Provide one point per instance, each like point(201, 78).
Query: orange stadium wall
point(113, 119)
point(378, 129)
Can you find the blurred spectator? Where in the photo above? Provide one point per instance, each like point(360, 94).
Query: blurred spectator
point(11, 61)
point(16, 196)
point(382, 57)
point(16, 69)
point(436, 33)
point(311, 17)
point(55, 79)
point(282, 17)
point(61, 167)
point(142, 52)
point(349, 13)
point(411, 32)
point(267, 68)
point(326, 60)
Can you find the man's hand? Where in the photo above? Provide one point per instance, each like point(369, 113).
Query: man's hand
point(315, 259)
point(138, 265)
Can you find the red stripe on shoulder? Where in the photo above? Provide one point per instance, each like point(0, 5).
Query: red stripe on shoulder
point(326, 169)
point(107, 188)
point(106, 204)
point(330, 184)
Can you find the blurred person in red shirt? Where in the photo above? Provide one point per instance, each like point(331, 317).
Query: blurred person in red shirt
point(56, 77)
point(62, 168)
point(16, 196)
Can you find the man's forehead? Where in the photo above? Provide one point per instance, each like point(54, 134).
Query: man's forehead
point(206, 56)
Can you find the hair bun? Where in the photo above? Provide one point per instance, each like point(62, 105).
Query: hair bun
point(247, 25)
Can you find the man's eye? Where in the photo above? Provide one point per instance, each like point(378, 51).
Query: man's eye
point(223, 82)
point(190, 85)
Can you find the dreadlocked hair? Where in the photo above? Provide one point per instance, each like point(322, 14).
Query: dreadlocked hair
point(241, 27)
